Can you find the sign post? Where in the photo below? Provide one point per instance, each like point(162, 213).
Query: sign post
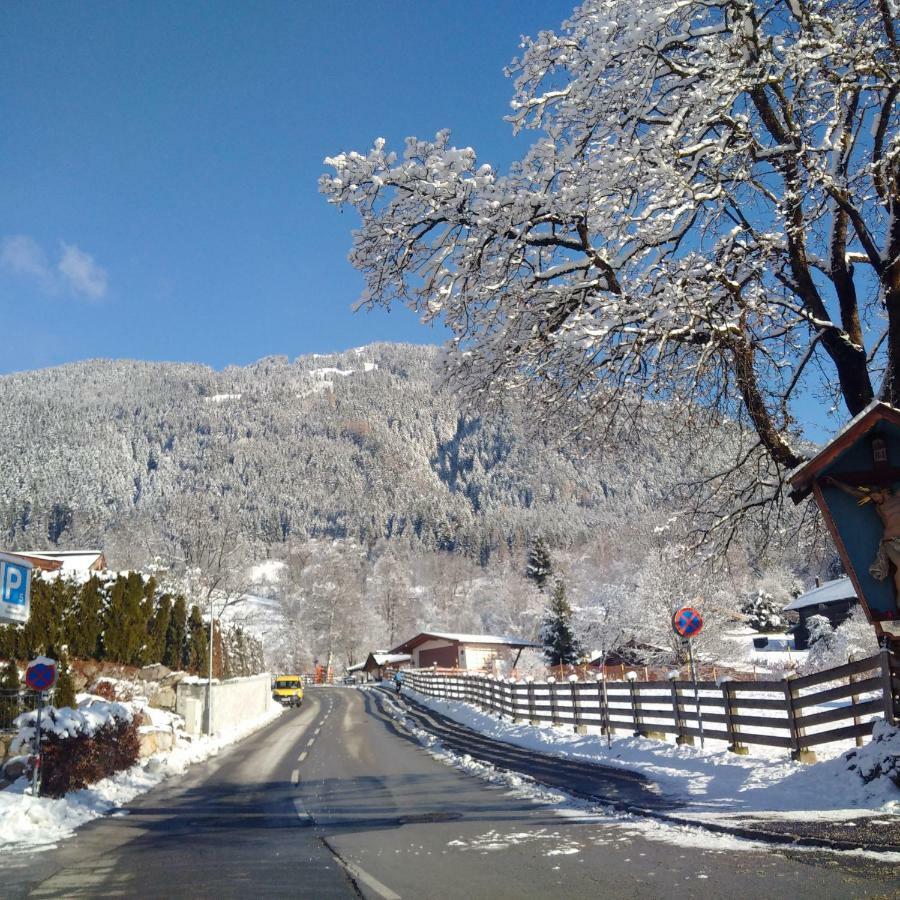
point(15, 589)
point(688, 623)
point(40, 676)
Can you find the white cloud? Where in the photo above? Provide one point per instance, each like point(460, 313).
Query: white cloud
point(82, 274)
point(76, 272)
point(24, 256)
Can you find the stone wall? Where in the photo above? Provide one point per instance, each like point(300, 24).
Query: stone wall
point(233, 702)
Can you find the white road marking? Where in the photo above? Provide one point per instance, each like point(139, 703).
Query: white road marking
point(382, 890)
point(301, 757)
point(301, 810)
point(310, 742)
point(295, 776)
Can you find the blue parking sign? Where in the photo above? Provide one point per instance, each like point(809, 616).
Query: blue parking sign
point(15, 589)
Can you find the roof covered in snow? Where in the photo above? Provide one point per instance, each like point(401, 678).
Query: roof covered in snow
point(383, 659)
point(73, 562)
point(499, 640)
point(831, 592)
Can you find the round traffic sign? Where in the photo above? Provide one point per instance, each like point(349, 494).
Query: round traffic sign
point(41, 676)
point(687, 622)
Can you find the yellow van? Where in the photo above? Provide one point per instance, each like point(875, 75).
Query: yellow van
point(288, 690)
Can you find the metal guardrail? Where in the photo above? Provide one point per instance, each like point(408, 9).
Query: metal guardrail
point(797, 714)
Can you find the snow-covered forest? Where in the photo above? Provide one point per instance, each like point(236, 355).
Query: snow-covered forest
point(390, 507)
point(364, 445)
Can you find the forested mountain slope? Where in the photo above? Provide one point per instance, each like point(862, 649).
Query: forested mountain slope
point(364, 445)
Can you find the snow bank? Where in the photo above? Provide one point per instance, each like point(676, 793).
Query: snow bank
point(714, 782)
point(28, 822)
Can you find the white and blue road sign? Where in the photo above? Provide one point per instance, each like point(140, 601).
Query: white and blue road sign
point(15, 589)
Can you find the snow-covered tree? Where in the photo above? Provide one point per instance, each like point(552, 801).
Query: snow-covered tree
point(830, 647)
point(823, 644)
point(561, 647)
point(709, 213)
point(539, 566)
point(764, 613)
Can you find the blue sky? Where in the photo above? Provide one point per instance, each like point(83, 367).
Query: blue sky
point(158, 164)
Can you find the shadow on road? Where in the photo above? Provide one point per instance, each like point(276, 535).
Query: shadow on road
point(603, 784)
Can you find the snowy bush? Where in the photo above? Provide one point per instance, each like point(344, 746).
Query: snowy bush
point(822, 645)
point(830, 647)
point(80, 746)
point(764, 612)
point(880, 758)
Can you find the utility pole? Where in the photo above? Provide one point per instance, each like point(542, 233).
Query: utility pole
point(209, 700)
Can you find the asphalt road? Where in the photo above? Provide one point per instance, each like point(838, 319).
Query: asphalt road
point(335, 800)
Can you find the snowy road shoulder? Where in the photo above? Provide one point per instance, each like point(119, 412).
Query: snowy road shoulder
point(829, 802)
point(29, 823)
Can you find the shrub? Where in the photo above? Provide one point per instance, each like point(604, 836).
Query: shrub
point(81, 746)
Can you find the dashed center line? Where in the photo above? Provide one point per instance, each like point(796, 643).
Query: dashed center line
point(301, 757)
point(295, 776)
point(310, 742)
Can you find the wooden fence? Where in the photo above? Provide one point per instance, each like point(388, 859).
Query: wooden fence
point(794, 713)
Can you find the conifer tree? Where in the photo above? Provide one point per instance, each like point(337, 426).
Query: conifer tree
point(175, 656)
point(126, 622)
point(64, 692)
point(159, 629)
point(85, 622)
point(197, 654)
point(42, 629)
point(9, 701)
point(11, 640)
point(560, 645)
point(539, 567)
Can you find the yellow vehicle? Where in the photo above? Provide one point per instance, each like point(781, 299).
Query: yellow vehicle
point(288, 690)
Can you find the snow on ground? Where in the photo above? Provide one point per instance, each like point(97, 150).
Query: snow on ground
point(622, 827)
point(269, 571)
point(776, 657)
point(713, 782)
point(28, 823)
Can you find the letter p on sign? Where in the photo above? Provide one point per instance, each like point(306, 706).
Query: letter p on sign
point(13, 584)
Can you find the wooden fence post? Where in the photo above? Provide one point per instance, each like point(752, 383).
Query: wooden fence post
point(601, 697)
point(734, 733)
point(529, 680)
point(680, 737)
point(799, 753)
point(635, 707)
point(576, 708)
point(887, 688)
point(851, 679)
point(551, 683)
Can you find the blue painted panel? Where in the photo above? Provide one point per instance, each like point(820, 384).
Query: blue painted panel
point(859, 526)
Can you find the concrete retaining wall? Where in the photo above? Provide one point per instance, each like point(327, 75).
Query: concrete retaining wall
point(233, 702)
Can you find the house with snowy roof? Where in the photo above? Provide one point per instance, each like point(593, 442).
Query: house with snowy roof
point(380, 665)
point(835, 600)
point(473, 652)
point(79, 564)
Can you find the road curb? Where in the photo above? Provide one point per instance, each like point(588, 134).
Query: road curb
point(745, 832)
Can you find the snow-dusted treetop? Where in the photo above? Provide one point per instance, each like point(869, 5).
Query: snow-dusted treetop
point(708, 213)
